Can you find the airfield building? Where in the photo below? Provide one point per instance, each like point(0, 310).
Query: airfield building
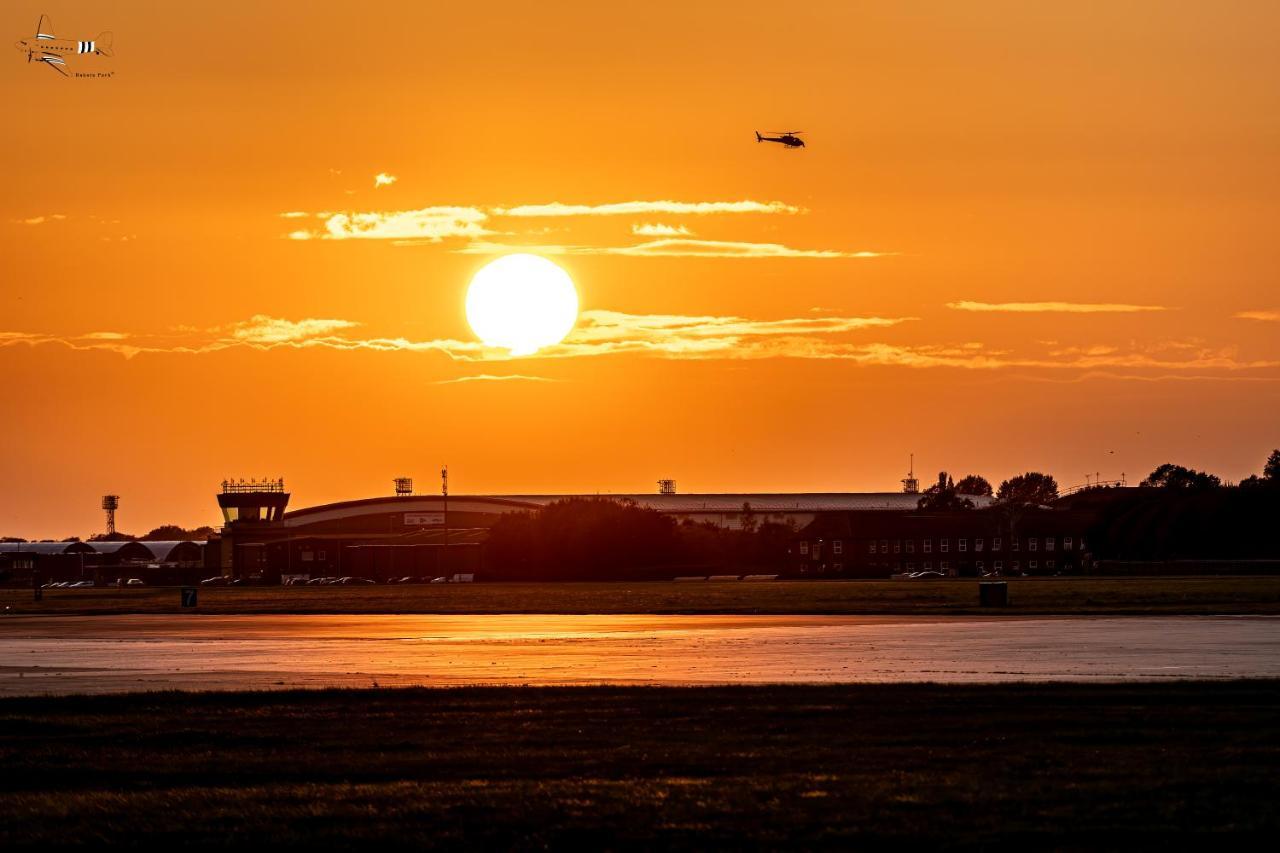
point(399, 535)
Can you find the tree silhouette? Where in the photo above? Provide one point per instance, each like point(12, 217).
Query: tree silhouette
point(974, 484)
point(1029, 489)
point(580, 539)
point(942, 496)
point(1271, 471)
point(1170, 476)
point(1270, 474)
point(173, 532)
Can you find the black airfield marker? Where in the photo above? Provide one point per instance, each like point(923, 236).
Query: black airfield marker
point(189, 596)
point(993, 594)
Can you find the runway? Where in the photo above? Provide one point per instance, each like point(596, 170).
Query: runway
point(107, 654)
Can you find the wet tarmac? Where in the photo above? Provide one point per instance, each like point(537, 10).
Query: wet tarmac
point(107, 654)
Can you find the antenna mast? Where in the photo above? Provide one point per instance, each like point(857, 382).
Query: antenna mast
point(910, 485)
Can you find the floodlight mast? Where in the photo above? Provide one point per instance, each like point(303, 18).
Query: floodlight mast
point(110, 503)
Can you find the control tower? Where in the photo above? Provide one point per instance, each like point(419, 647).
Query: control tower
point(252, 500)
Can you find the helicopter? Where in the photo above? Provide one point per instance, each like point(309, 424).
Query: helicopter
point(789, 138)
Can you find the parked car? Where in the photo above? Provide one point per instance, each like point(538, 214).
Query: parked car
point(135, 582)
point(927, 575)
point(216, 580)
point(349, 581)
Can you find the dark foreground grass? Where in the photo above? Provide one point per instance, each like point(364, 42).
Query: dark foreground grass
point(1028, 596)
point(1062, 766)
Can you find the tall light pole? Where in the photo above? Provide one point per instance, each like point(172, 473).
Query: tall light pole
point(444, 490)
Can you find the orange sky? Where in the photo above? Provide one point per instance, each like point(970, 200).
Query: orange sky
point(1106, 157)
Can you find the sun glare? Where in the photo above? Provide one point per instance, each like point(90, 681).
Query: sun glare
point(522, 303)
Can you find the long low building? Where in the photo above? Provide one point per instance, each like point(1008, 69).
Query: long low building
point(95, 559)
point(723, 510)
point(261, 536)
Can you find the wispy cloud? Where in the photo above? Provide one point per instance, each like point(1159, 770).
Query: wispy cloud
point(647, 229)
point(489, 377)
point(40, 220)
point(1055, 307)
point(382, 179)
point(264, 329)
point(683, 248)
point(428, 224)
point(1263, 316)
point(669, 248)
point(470, 225)
point(633, 208)
point(675, 336)
point(597, 333)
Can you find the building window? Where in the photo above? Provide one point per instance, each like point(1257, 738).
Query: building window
point(998, 565)
point(884, 546)
point(911, 546)
point(977, 544)
point(320, 556)
point(964, 544)
point(979, 565)
point(1066, 543)
point(1048, 543)
point(838, 567)
point(995, 544)
point(871, 547)
point(928, 545)
point(1048, 564)
point(1031, 543)
point(1032, 564)
point(1014, 544)
point(1015, 565)
point(837, 547)
point(308, 556)
point(928, 565)
point(804, 547)
point(944, 566)
point(911, 567)
point(945, 546)
point(897, 546)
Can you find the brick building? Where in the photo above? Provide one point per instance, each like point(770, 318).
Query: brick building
point(966, 543)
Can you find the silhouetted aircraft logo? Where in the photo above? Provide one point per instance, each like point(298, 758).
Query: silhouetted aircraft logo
point(789, 138)
point(52, 51)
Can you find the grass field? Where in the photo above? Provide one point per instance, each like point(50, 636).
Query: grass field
point(1151, 596)
point(1071, 767)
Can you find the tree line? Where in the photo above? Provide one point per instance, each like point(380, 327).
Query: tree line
point(163, 533)
point(603, 538)
point(1037, 489)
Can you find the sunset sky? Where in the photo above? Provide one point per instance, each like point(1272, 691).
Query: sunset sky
point(1022, 236)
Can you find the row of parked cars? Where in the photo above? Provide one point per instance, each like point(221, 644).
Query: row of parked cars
point(118, 582)
point(347, 580)
point(355, 581)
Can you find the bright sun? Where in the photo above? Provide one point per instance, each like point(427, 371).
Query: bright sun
point(522, 303)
